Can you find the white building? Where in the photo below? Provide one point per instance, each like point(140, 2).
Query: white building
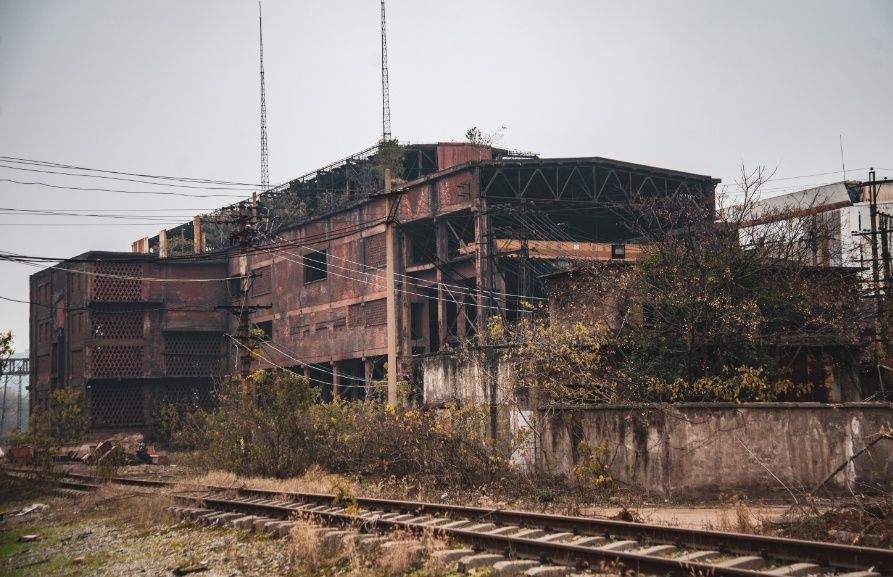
point(829, 222)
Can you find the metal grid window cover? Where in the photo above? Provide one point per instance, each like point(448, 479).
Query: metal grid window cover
point(116, 405)
point(263, 282)
point(192, 354)
point(117, 325)
point(117, 281)
point(375, 250)
point(190, 397)
point(116, 360)
point(369, 314)
point(356, 315)
point(376, 312)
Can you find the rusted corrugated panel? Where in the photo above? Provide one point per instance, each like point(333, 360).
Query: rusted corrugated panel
point(453, 153)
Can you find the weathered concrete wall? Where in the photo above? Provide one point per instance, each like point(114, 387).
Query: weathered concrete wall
point(447, 379)
point(698, 449)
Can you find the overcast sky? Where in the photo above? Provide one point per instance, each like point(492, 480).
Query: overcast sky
point(171, 88)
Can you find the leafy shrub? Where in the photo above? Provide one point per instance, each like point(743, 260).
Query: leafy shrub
point(274, 425)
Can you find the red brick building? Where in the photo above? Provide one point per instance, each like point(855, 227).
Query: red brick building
point(475, 229)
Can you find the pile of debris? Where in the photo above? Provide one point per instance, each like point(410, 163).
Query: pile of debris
point(121, 449)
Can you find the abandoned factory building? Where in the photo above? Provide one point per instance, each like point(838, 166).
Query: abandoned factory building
point(475, 228)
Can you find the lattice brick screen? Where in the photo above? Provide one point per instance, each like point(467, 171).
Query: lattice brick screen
point(192, 354)
point(117, 281)
point(263, 282)
point(117, 324)
point(116, 361)
point(376, 312)
point(116, 405)
point(374, 248)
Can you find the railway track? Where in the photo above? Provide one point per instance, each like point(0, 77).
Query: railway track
point(543, 545)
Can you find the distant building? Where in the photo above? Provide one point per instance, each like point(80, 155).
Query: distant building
point(830, 221)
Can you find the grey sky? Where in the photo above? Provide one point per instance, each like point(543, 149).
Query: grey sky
point(171, 87)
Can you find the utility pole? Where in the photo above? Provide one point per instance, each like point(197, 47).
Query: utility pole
point(246, 228)
point(391, 287)
point(3, 414)
point(880, 329)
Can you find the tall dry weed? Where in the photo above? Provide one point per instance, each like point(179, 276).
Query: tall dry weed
point(304, 544)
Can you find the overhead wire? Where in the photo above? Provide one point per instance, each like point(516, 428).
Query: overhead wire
point(122, 179)
point(432, 284)
point(33, 162)
point(120, 191)
point(287, 369)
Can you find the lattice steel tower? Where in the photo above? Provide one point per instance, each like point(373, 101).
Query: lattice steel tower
point(264, 161)
point(385, 90)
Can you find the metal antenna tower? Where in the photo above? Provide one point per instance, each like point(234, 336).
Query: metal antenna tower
point(264, 161)
point(385, 90)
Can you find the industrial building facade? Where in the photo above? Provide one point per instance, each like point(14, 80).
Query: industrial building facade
point(475, 228)
point(131, 331)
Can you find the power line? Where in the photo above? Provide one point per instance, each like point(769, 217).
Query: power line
point(7, 257)
point(40, 212)
point(149, 223)
point(122, 210)
point(288, 370)
point(431, 284)
point(121, 178)
point(116, 190)
point(32, 162)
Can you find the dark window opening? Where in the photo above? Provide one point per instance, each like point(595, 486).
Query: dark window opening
point(417, 321)
point(618, 251)
point(422, 246)
point(314, 266)
point(267, 328)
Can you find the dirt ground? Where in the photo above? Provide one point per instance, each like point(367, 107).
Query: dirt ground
point(119, 534)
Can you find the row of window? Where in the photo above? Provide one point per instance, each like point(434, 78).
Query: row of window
point(315, 264)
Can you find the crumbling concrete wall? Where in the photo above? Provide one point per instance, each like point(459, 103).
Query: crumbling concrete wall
point(465, 379)
point(714, 448)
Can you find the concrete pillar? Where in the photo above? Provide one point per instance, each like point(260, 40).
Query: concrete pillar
point(198, 239)
point(336, 379)
point(367, 373)
point(390, 249)
point(162, 244)
point(442, 249)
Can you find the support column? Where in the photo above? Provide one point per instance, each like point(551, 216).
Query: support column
point(198, 239)
point(390, 249)
point(482, 265)
point(336, 380)
point(162, 244)
point(367, 373)
point(442, 249)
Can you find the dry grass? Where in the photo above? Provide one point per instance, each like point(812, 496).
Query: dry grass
point(410, 552)
point(141, 509)
point(739, 518)
point(315, 480)
point(304, 544)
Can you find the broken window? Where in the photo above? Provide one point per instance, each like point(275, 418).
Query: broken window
point(315, 266)
point(267, 328)
point(263, 281)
